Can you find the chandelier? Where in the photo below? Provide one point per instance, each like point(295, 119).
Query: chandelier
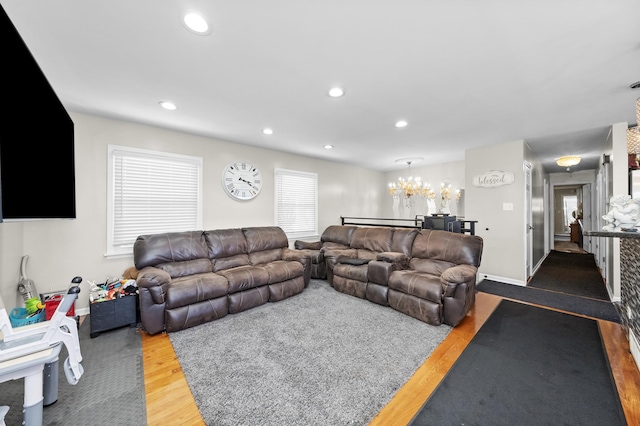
point(568, 160)
point(410, 186)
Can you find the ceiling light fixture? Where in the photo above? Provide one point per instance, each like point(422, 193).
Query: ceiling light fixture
point(328, 147)
point(267, 131)
point(168, 105)
point(336, 92)
point(568, 160)
point(401, 123)
point(196, 23)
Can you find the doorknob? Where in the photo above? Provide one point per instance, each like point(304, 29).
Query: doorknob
point(531, 227)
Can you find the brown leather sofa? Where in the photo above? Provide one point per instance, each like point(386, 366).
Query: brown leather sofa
point(427, 274)
point(189, 278)
point(334, 237)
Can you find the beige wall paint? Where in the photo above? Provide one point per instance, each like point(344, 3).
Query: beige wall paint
point(503, 230)
point(62, 249)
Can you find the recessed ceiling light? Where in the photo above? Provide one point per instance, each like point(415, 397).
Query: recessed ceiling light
point(196, 23)
point(267, 131)
point(401, 123)
point(168, 105)
point(328, 147)
point(336, 92)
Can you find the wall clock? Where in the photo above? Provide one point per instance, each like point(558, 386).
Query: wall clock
point(241, 180)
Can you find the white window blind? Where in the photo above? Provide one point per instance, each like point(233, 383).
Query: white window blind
point(151, 192)
point(296, 203)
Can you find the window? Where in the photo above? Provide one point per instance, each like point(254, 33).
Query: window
point(296, 203)
point(150, 192)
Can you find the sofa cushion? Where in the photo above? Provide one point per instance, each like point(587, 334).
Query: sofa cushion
point(372, 239)
point(338, 234)
point(186, 268)
point(448, 246)
point(245, 277)
point(227, 248)
point(152, 250)
point(402, 240)
point(196, 288)
point(419, 284)
point(430, 266)
point(283, 270)
point(265, 256)
point(354, 272)
point(265, 238)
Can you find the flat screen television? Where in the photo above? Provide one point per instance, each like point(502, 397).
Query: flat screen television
point(37, 165)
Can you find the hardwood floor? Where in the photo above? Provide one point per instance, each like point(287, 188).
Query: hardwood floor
point(169, 400)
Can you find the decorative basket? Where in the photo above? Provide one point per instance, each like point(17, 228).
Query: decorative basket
point(20, 317)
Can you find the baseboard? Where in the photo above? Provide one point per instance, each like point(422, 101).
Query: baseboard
point(82, 311)
point(502, 279)
point(634, 347)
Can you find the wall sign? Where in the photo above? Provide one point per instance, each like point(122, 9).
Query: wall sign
point(493, 179)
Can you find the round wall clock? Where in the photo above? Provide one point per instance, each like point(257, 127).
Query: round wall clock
point(241, 180)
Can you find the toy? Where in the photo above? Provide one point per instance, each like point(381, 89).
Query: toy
point(33, 305)
point(130, 273)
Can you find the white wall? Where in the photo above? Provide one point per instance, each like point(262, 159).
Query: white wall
point(61, 249)
point(503, 231)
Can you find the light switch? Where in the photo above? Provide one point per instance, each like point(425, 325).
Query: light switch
point(507, 206)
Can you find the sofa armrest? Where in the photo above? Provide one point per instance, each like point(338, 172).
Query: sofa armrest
point(307, 245)
point(455, 275)
point(154, 280)
point(302, 257)
point(401, 259)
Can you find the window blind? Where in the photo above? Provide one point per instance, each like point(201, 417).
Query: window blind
point(152, 192)
point(296, 202)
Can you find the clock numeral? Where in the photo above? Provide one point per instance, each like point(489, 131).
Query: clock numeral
point(231, 187)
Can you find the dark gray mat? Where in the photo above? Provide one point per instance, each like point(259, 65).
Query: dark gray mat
point(317, 358)
point(570, 273)
point(566, 302)
point(110, 392)
point(528, 366)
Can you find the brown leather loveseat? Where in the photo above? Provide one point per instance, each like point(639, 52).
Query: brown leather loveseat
point(189, 278)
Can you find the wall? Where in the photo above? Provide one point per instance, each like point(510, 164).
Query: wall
point(503, 231)
point(59, 250)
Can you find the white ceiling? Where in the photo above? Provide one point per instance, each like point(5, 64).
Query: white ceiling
point(463, 73)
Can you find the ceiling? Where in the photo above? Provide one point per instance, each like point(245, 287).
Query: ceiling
point(462, 73)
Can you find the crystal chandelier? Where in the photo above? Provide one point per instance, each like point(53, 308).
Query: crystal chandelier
point(409, 186)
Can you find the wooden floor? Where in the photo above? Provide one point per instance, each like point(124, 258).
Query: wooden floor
point(169, 401)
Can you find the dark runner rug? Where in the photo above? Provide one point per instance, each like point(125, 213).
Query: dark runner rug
point(528, 366)
point(110, 392)
point(318, 358)
point(566, 302)
point(570, 273)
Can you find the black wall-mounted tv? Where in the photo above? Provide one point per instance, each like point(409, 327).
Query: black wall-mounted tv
point(37, 165)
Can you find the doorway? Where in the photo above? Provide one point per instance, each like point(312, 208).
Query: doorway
point(568, 209)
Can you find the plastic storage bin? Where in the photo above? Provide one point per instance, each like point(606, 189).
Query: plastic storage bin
point(19, 317)
point(113, 314)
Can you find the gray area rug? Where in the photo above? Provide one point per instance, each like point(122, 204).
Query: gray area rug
point(318, 358)
point(110, 392)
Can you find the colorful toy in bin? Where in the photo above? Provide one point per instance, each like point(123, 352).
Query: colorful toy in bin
point(20, 317)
